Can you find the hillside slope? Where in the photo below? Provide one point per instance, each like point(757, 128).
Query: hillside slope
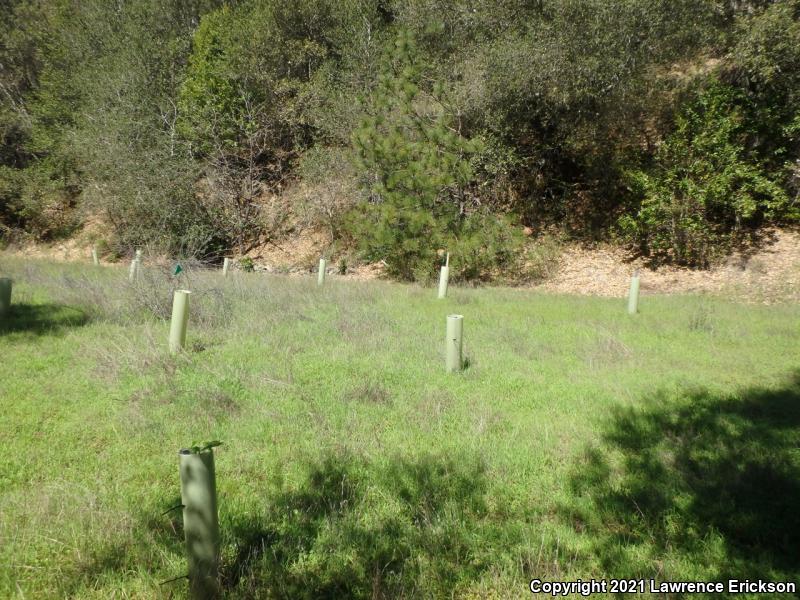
point(768, 274)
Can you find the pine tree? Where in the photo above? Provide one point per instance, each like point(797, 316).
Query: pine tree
point(415, 164)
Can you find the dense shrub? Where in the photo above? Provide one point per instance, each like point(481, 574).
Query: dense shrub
point(705, 189)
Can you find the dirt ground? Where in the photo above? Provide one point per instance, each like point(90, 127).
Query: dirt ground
point(768, 274)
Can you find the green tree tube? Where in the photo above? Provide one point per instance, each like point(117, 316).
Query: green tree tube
point(323, 264)
point(455, 330)
point(180, 318)
point(226, 264)
point(95, 258)
point(5, 295)
point(138, 255)
point(633, 294)
point(200, 522)
point(444, 277)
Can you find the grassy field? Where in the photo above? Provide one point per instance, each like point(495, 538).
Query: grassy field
point(580, 442)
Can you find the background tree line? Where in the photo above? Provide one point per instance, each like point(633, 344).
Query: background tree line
point(672, 126)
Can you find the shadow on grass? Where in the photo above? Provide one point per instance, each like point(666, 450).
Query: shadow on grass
point(41, 319)
point(703, 486)
point(356, 529)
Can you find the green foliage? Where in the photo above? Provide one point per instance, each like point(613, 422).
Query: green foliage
point(705, 189)
point(565, 89)
point(174, 120)
point(416, 165)
point(766, 56)
point(247, 265)
point(37, 191)
point(486, 247)
point(199, 449)
point(212, 108)
point(103, 121)
point(765, 64)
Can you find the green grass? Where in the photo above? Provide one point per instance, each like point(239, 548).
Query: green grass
point(580, 442)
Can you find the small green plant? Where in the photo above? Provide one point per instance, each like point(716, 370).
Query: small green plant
point(702, 320)
point(197, 449)
point(342, 266)
point(247, 265)
point(103, 247)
